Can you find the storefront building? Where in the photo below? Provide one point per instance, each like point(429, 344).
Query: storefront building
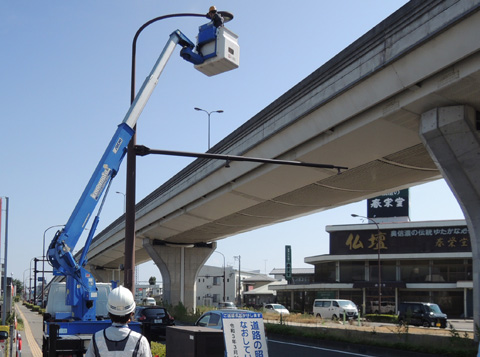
point(390, 263)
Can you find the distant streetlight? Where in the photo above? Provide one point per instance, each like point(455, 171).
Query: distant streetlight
point(24, 285)
point(124, 200)
point(208, 113)
point(379, 266)
point(34, 285)
point(239, 297)
point(223, 273)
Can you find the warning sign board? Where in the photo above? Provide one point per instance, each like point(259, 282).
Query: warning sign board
point(244, 334)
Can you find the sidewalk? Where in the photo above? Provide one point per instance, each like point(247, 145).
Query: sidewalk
point(32, 334)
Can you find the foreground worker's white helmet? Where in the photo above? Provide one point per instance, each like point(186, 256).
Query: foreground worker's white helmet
point(120, 301)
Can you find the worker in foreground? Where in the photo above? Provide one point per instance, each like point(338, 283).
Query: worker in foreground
point(118, 339)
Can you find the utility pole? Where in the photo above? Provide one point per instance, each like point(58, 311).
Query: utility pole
point(224, 275)
point(4, 285)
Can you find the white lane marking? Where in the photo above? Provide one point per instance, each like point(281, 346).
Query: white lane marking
point(320, 348)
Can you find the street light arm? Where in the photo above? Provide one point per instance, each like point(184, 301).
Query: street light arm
point(367, 218)
point(201, 110)
point(142, 150)
point(134, 44)
point(206, 111)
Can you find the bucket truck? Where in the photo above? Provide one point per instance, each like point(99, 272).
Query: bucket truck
point(67, 332)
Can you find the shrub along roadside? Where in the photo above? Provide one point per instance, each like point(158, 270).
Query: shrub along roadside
point(158, 349)
point(442, 346)
point(390, 319)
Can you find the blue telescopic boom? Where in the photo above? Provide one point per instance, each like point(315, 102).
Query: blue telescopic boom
point(81, 286)
point(216, 52)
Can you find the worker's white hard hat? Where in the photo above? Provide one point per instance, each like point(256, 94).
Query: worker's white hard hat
point(120, 301)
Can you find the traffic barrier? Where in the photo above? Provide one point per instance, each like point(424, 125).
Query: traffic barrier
point(19, 346)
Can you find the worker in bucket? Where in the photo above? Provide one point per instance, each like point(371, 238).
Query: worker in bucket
point(215, 16)
point(118, 339)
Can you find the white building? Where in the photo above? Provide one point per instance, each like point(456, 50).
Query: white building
point(209, 286)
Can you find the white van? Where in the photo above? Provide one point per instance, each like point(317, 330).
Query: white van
point(56, 300)
point(334, 309)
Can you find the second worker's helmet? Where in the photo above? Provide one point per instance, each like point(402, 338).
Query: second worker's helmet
point(212, 8)
point(120, 301)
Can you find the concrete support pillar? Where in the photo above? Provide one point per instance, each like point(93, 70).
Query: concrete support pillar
point(451, 136)
point(179, 266)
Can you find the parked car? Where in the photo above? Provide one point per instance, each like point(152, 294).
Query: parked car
point(226, 305)
point(3, 342)
point(276, 308)
point(334, 309)
point(388, 307)
point(213, 318)
point(422, 314)
point(149, 301)
point(157, 318)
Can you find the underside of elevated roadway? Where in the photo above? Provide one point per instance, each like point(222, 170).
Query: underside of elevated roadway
point(361, 110)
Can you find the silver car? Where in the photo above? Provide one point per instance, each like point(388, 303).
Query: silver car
point(276, 308)
point(226, 305)
point(213, 318)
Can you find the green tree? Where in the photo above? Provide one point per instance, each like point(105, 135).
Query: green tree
point(19, 285)
point(152, 280)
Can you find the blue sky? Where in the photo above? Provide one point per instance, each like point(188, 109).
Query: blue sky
point(65, 69)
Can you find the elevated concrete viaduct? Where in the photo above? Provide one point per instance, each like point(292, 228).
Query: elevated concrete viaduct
point(404, 93)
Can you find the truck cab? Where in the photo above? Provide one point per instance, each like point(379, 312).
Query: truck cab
point(58, 309)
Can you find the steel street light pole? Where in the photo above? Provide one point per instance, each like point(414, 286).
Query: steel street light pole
point(379, 266)
point(209, 113)
point(129, 261)
point(124, 200)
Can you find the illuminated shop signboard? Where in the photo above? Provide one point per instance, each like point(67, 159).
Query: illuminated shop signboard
point(401, 240)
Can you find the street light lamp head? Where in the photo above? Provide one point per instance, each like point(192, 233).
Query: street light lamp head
point(227, 16)
point(206, 111)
